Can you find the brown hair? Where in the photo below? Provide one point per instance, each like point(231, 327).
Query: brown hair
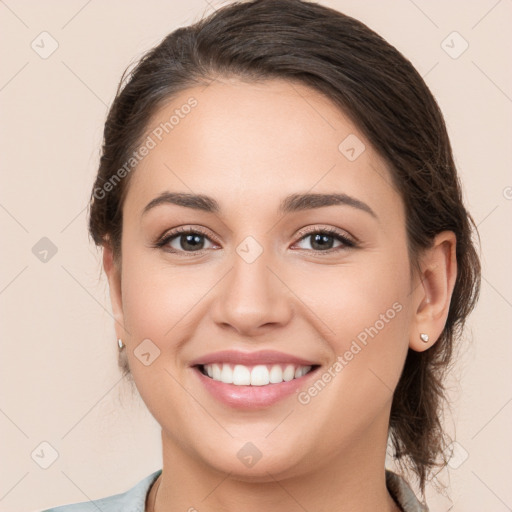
point(383, 94)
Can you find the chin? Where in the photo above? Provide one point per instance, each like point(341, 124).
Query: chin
point(260, 460)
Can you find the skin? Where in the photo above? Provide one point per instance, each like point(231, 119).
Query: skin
point(248, 146)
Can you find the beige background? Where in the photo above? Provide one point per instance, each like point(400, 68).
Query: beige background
point(59, 379)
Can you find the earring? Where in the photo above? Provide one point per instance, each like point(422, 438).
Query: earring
point(424, 337)
point(120, 343)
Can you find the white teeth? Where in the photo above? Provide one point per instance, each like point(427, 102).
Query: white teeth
point(259, 375)
point(276, 374)
point(301, 371)
point(216, 369)
point(241, 375)
point(289, 373)
point(227, 374)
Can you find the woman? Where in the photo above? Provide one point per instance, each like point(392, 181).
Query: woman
point(289, 260)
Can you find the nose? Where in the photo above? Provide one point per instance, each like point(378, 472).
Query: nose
point(252, 298)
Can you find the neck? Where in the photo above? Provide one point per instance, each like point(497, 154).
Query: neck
point(353, 480)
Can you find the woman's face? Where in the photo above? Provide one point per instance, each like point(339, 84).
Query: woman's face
point(258, 294)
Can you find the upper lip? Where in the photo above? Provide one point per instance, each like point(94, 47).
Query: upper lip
point(250, 358)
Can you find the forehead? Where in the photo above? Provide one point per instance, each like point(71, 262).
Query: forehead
point(253, 144)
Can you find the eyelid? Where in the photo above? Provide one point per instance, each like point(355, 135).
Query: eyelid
point(172, 233)
point(330, 231)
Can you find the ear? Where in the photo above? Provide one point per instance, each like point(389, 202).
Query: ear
point(114, 283)
point(433, 290)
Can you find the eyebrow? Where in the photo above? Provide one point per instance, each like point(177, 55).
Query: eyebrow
point(291, 203)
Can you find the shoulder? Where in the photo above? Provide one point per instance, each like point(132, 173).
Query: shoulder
point(403, 494)
point(132, 500)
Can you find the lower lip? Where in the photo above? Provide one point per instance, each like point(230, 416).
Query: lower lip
point(252, 397)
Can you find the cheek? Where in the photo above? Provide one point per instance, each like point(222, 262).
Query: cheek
point(367, 315)
point(157, 297)
point(369, 321)
point(156, 307)
point(360, 301)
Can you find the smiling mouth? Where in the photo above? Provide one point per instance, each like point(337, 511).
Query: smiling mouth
point(255, 375)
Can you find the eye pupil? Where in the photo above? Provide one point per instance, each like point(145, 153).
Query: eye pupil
point(322, 240)
point(192, 242)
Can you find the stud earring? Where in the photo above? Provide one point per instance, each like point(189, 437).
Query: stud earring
point(120, 343)
point(424, 337)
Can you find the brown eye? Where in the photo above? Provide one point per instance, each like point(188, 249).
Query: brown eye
point(325, 240)
point(184, 241)
point(188, 242)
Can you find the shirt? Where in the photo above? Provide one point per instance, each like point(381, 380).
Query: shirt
point(134, 500)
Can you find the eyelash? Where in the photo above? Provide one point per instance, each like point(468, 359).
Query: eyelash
point(347, 242)
point(169, 236)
